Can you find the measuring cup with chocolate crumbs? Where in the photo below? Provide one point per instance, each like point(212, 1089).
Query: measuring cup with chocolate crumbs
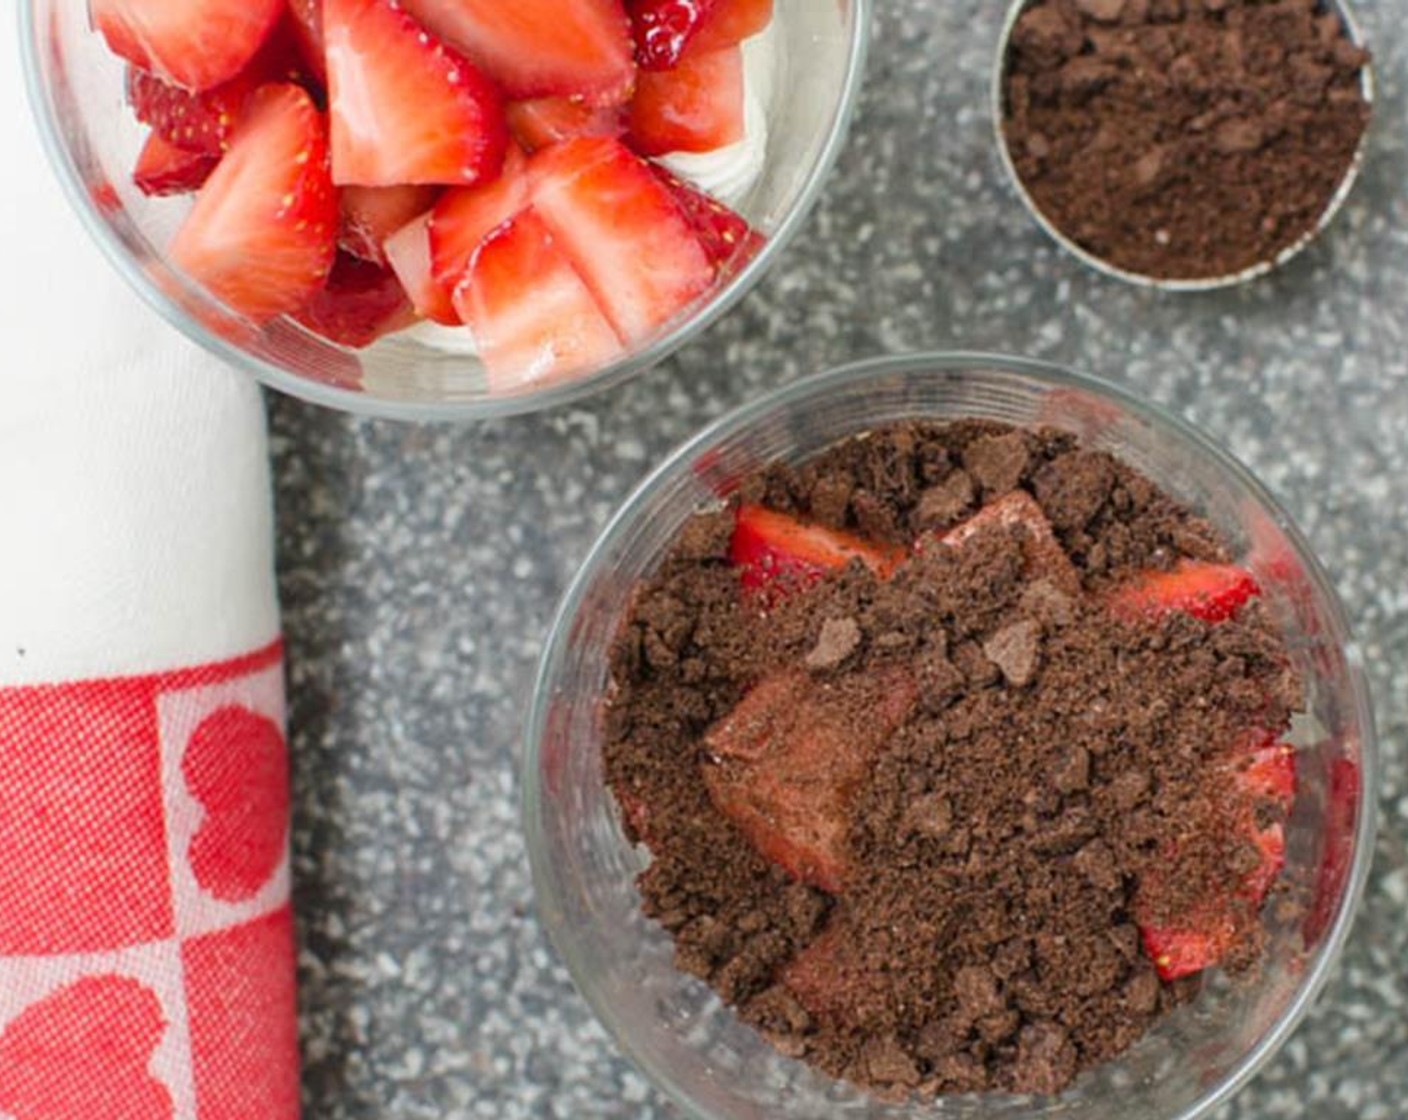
point(1183, 144)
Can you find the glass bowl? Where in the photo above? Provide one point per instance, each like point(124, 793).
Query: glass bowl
point(77, 89)
point(584, 869)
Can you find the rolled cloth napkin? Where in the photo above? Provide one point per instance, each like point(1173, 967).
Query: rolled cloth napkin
point(146, 937)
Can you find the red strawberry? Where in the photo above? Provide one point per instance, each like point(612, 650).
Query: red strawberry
point(360, 302)
point(263, 232)
point(406, 108)
point(408, 253)
point(541, 48)
point(307, 19)
point(1211, 592)
point(465, 216)
point(784, 764)
point(622, 232)
point(695, 107)
point(730, 22)
point(830, 978)
point(1045, 557)
point(1271, 775)
point(533, 318)
point(163, 169)
point(728, 240)
point(372, 214)
point(204, 122)
point(197, 44)
point(1341, 815)
point(1182, 952)
point(663, 28)
point(775, 552)
point(548, 120)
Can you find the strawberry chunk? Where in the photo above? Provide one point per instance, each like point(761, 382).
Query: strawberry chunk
point(730, 22)
point(1270, 775)
point(1341, 816)
point(263, 233)
point(622, 231)
point(205, 121)
point(532, 317)
point(405, 107)
point(541, 48)
point(663, 28)
point(1211, 592)
point(785, 764)
point(728, 240)
point(775, 552)
point(465, 216)
point(408, 253)
point(549, 120)
point(695, 107)
point(372, 214)
point(830, 979)
point(197, 44)
point(360, 303)
point(1045, 558)
point(1183, 952)
point(163, 169)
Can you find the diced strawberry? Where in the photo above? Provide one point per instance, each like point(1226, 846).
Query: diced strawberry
point(830, 979)
point(695, 107)
point(1211, 592)
point(307, 19)
point(785, 763)
point(263, 233)
point(164, 169)
point(1341, 816)
point(730, 22)
point(728, 240)
point(1045, 557)
point(549, 120)
point(465, 216)
point(1271, 775)
point(196, 44)
point(408, 254)
point(1182, 952)
point(360, 302)
point(532, 317)
point(372, 214)
point(204, 122)
point(663, 28)
point(405, 107)
point(622, 232)
point(775, 552)
point(541, 48)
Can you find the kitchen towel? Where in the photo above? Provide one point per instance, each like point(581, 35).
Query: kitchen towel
point(146, 936)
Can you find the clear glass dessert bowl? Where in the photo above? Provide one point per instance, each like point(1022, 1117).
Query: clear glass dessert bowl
point(77, 91)
point(584, 868)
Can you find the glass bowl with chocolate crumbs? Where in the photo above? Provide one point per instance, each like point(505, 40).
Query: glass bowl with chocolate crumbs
point(1183, 144)
point(949, 736)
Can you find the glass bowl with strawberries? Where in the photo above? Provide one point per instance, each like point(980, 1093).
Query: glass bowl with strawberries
point(443, 208)
point(950, 735)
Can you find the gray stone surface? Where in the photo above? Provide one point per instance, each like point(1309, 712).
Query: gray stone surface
point(420, 567)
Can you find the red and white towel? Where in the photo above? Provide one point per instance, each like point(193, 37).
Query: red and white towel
point(146, 937)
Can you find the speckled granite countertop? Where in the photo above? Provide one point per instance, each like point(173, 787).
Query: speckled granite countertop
point(420, 568)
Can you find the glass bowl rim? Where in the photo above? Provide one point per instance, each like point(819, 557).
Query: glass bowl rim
point(628, 366)
point(988, 365)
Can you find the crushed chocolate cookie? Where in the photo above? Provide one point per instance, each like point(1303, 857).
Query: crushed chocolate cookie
point(1183, 140)
point(918, 827)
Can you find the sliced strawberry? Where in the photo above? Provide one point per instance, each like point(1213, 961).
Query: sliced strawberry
point(360, 303)
point(730, 22)
point(372, 214)
point(1271, 775)
point(541, 48)
point(663, 28)
point(728, 240)
point(204, 122)
point(1341, 816)
point(164, 169)
point(775, 552)
point(197, 44)
point(465, 216)
point(785, 763)
point(1045, 557)
point(307, 19)
point(549, 120)
point(695, 107)
point(405, 107)
point(263, 233)
point(532, 317)
point(622, 232)
point(1211, 592)
point(408, 253)
point(1182, 952)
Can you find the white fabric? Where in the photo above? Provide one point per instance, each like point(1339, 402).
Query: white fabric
point(135, 524)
